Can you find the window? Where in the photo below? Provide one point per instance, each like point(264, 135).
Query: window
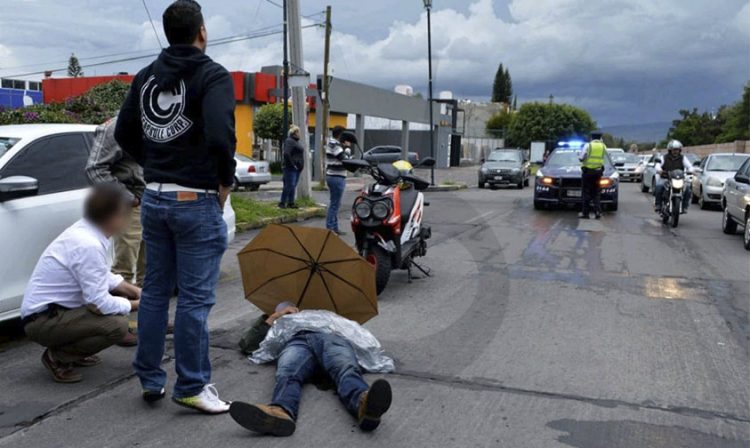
point(57, 162)
point(35, 85)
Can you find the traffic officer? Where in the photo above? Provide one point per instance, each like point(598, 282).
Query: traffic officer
point(592, 166)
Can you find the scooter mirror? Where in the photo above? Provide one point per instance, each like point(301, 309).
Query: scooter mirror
point(427, 161)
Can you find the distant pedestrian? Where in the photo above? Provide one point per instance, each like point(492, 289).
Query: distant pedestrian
point(109, 164)
point(592, 166)
point(292, 165)
point(336, 152)
point(178, 123)
point(73, 305)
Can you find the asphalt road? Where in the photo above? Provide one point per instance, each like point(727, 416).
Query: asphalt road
point(535, 330)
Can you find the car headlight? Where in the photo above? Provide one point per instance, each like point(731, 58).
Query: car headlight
point(363, 210)
point(605, 182)
point(714, 182)
point(380, 210)
point(483, 169)
point(639, 169)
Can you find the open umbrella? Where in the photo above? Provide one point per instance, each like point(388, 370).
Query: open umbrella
point(310, 267)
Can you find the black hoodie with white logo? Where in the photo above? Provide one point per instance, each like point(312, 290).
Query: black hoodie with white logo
point(178, 120)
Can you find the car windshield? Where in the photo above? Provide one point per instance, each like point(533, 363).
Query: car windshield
point(504, 156)
point(624, 158)
point(6, 143)
point(563, 158)
point(243, 158)
point(725, 163)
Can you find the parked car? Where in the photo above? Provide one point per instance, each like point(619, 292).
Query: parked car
point(611, 151)
point(504, 167)
point(648, 177)
point(710, 176)
point(735, 201)
point(250, 173)
point(42, 188)
point(388, 154)
point(628, 165)
point(558, 181)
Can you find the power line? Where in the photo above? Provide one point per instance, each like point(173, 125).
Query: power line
point(153, 27)
point(217, 42)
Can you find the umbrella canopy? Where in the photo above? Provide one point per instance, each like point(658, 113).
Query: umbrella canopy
point(310, 267)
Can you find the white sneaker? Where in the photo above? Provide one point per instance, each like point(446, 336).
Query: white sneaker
point(207, 401)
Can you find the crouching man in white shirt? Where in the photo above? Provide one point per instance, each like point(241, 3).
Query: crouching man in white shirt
point(73, 305)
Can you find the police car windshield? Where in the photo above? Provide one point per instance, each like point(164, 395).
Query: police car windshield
point(504, 156)
point(567, 157)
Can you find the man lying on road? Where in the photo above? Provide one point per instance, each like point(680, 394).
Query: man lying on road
point(308, 343)
point(73, 304)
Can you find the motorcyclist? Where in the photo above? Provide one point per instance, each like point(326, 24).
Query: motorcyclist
point(673, 160)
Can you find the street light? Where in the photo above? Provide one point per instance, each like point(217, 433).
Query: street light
point(428, 7)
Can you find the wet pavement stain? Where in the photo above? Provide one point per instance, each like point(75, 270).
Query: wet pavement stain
point(633, 434)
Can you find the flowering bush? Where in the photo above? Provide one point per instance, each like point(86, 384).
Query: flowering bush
point(93, 107)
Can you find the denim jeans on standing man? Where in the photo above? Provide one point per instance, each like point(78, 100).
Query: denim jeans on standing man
point(290, 178)
point(308, 353)
point(185, 241)
point(336, 187)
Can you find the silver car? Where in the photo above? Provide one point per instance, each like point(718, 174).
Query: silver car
point(628, 165)
point(250, 173)
point(648, 177)
point(735, 201)
point(711, 175)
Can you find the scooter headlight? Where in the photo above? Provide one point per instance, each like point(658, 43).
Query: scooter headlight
point(363, 210)
point(380, 210)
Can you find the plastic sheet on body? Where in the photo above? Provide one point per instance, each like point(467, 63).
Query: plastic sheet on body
point(368, 350)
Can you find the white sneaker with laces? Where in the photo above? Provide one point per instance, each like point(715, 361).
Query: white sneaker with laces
point(207, 401)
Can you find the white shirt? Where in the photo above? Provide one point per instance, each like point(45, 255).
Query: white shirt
point(73, 272)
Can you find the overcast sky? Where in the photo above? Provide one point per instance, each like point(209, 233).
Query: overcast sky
point(626, 61)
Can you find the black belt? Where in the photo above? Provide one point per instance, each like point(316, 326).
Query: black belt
point(50, 312)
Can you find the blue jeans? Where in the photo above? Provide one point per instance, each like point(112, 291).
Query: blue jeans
point(185, 241)
point(290, 178)
point(309, 353)
point(659, 193)
point(336, 187)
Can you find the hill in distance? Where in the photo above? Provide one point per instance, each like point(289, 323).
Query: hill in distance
point(646, 132)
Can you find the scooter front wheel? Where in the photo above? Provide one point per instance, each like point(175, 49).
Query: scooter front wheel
point(378, 257)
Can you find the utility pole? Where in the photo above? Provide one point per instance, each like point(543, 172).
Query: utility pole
point(299, 95)
point(285, 77)
point(324, 100)
point(428, 7)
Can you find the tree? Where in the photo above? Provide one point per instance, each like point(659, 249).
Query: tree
point(74, 67)
point(499, 86)
point(737, 120)
point(694, 128)
point(269, 121)
point(498, 124)
point(540, 121)
point(508, 87)
point(515, 103)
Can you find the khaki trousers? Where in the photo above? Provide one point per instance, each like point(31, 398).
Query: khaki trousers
point(130, 251)
point(71, 335)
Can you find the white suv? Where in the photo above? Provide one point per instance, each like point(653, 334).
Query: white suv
point(42, 187)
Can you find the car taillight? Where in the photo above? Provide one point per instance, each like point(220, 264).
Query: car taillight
point(251, 169)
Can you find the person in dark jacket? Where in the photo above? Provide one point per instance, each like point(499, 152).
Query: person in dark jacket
point(292, 165)
point(178, 123)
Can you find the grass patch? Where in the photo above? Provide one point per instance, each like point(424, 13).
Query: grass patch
point(449, 182)
point(533, 169)
point(252, 212)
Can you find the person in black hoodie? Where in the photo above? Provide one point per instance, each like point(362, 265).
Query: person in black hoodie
point(178, 123)
point(292, 165)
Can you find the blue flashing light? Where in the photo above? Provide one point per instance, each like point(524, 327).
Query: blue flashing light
point(570, 143)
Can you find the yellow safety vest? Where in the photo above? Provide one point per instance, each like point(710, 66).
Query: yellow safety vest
point(595, 155)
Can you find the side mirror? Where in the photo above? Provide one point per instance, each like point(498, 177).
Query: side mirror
point(697, 170)
point(15, 187)
point(741, 178)
point(697, 163)
point(427, 161)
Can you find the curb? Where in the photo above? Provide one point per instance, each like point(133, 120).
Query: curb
point(460, 186)
point(303, 215)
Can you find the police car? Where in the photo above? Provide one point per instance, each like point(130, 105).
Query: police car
point(558, 180)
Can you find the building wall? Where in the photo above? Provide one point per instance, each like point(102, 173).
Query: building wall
point(739, 146)
point(243, 122)
point(15, 98)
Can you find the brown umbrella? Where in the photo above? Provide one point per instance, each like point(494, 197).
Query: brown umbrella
point(310, 267)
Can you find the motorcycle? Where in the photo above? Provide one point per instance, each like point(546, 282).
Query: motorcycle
point(671, 205)
point(387, 219)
